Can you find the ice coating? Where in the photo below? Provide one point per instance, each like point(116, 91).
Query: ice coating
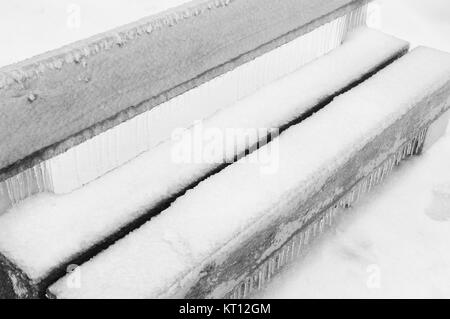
point(226, 207)
point(47, 230)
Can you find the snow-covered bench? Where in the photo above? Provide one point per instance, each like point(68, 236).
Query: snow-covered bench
point(235, 230)
point(40, 237)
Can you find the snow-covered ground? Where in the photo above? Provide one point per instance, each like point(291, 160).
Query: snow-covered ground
point(396, 242)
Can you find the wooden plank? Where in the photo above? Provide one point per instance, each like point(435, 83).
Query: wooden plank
point(57, 100)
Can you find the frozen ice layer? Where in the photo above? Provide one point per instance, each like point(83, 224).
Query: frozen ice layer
point(211, 237)
point(46, 232)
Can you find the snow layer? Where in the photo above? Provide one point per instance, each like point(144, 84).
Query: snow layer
point(229, 206)
point(45, 230)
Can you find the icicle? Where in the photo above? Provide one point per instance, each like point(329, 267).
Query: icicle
point(261, 276)
point(300, 244)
